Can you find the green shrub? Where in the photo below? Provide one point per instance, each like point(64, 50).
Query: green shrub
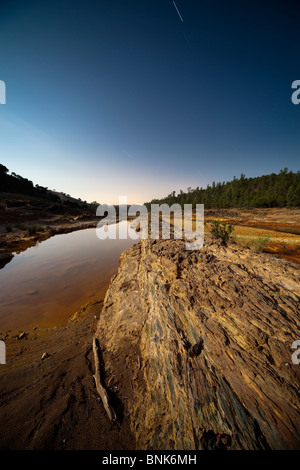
point(32, 229)
point(260, 243)
point(21, 226)
point(221, 230)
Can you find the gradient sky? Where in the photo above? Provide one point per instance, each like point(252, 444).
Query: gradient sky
point(111, 97)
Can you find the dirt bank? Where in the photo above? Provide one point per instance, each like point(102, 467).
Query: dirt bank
point(48, 398)
point(277, 229)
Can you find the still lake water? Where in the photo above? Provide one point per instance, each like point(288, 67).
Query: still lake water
point(44, 285)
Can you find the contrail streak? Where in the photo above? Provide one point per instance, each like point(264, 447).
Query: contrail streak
point(177, 11)
point(126, 153)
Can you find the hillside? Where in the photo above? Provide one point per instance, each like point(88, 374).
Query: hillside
point(16, 191)
point(29, 214)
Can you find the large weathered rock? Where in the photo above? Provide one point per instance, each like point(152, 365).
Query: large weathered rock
point(198, 345)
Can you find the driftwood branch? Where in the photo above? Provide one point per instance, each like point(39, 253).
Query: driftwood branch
point(100, 389)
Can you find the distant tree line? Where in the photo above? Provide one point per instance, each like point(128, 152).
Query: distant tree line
point(274, 190)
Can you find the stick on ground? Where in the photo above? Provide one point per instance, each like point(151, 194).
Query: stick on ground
point(100, 389)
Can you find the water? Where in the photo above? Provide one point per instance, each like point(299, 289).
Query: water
point(47, 283)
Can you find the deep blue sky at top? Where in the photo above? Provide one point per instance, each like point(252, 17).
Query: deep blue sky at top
point(120, 97)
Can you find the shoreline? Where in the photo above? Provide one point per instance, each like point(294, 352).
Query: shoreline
point(276, 219)
point(48, 398)
point(18, 241)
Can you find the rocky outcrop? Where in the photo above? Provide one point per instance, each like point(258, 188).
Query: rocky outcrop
point(196, 345)
point(5, 257)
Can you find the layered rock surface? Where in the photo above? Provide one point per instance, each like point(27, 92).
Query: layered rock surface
point(197, 346)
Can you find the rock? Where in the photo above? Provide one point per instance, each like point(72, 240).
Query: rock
point(196, 349)
point(5, 257)
point(45, 355)
point(212, 352)
point(32, 292)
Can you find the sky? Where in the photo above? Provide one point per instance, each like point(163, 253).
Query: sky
point(138, 98)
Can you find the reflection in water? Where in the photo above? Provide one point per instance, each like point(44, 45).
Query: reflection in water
point(47, 283)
